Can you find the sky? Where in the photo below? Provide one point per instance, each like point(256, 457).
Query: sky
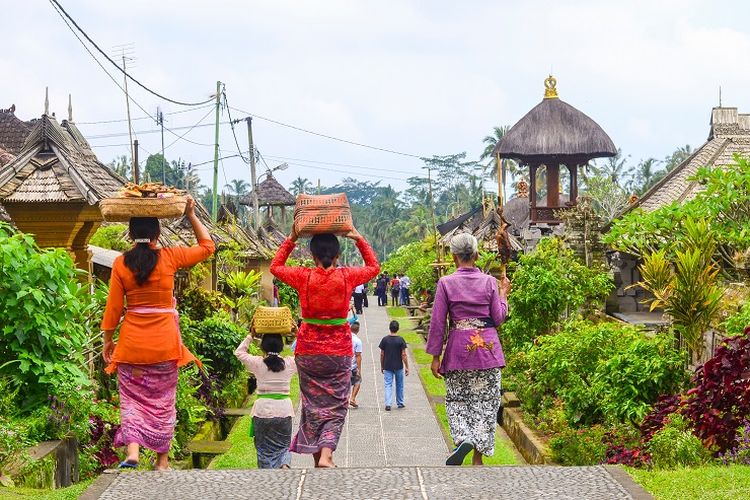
point(419, 77)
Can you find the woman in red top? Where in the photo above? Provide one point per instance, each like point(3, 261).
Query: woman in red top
point(149, 349)
point(324, 341)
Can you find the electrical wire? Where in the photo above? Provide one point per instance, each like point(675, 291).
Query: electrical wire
point(59, 8)
point(231, 122)
point(347, 141)
point(189, 130)
point(286, 158)
point(114, 80)
point(121, 120)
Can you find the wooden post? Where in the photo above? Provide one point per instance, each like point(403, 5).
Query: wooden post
point(532, 191)
point(553, 186)
point(136, 169)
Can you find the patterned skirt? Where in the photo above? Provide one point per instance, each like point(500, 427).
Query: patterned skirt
point(147, 405)
point(324, 382)
point(272, 439)
point(472, 400)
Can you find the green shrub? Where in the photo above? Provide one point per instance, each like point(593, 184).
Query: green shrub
point(579, 446)
point(43, 317)
point(199, 303)
point(215, 339)
point(675, 446)
point(601, 372)
point(415, 260)
point(550, 285)
point(736, 323)
point(112, 237)
point(191, 412)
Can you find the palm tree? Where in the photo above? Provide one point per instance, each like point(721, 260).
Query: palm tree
point(300, 186)
point(509, 167)
point(237, 187)
point(647, 175)
point(614, 167)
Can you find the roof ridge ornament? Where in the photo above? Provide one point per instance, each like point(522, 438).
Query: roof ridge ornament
point(550, 88)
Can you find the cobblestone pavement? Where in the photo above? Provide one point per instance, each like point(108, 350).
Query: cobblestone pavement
point(466, 483)
point(373, 437)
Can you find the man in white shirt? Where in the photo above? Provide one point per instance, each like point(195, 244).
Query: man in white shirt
point(405, 284)
point(359, 298)
point(356, 365)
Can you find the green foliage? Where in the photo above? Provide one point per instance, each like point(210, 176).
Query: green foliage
point(199, 303)
point(111, 237)
point(216, 338)
point(289, 297)
point(736, 323)
point(43, 308)
point(687, 291)
point(724, 203)
point(675, 446)
point(191, 412)
point(604, 372)
point(579, 446)
point(549, 285)
point(414, 259)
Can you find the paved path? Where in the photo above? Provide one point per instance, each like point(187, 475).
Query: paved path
point(419, 483)
point(374, 437)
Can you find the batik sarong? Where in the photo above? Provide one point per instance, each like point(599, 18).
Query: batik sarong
point(147, 405)
point(472, 399)
point(325, 382)
point(272, 439)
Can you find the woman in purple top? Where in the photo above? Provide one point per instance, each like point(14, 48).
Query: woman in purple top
point(470, 302)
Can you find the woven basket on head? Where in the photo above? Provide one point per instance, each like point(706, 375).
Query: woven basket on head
point(122, 209)
point(273, 320)
point(320, 214)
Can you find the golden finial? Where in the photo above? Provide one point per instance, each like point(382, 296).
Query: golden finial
point(550, 88)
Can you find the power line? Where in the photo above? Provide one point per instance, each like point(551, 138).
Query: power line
point(285, 158)
point(121, 88)
point(189, 130)
point(231, 122)
point(121, 120)
point(60, 10)
point(354, 143)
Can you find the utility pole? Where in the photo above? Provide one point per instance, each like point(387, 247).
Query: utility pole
point(500, 180)
point(160, 121)
point(432, 209)
point(133, 147)
point(214, 205)
point(136, 174)
point(253, 178)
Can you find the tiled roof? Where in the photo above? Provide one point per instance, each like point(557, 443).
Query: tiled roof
point(729, 135)
point(56, 164)
point(5, 157)
point(13, 131)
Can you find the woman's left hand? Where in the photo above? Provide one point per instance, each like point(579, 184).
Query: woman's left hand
point(107, 350)
point(190, 207)
point(504, 287)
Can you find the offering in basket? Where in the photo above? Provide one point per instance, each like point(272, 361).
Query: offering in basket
point(320, 214)
point(273, 320)
point(150, 199)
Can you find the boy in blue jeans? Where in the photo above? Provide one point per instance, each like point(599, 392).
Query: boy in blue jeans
point(393, 364)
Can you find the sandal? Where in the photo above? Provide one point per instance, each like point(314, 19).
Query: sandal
point(458, 455)
point(127, 465)
point(353, 404)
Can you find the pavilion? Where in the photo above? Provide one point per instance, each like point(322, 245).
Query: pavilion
point(271, 194)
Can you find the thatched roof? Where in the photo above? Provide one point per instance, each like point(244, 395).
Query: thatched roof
point(56, 164)
point(483, 226)
point(13, 131)
point(554, 129)
point(729, 135)
point(270, 192)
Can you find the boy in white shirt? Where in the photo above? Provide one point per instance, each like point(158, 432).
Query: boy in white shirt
point(356, 365)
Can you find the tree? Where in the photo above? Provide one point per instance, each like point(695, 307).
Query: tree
point(122, 167)
point(608, 198)
point(508, 167)
point(678, 156)
point(237, 187)
point(616, 168)
point(300, 185)
point(647, 174)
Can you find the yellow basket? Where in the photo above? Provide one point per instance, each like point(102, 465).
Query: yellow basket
point(122, 209)
point(272, 320)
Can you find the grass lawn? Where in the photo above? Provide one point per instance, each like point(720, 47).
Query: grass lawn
point(504, 454)
point(242, 453)
point(714, 482)
point(69, 493)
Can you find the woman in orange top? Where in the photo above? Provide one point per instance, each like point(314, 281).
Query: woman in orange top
point(149, 348)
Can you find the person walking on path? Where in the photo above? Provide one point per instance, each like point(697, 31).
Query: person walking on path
point(473, 355)
point(394, 364)
point(381, 286)
point(324, 342)
point(356, 364)
point(359, 297)
point(405, 284)
point(149, 349)
point(272, 411)
point(395, 290)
